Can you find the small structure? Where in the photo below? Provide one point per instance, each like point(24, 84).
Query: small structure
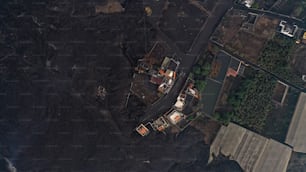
point(101, 92)
point(296, 136)
point(157, 80)
point(148, 10)
point(142, 130)
point(250, 21)
point(160, 124)
point(109, 8)
point(167, 74)
point(247, 3)
point(287, 29)
point(304, 35)
point(304, 78)
point(180, 102)
point(175, 117)
point(303, 38)
point(253, 152)
point(236, 67)
point(280, 92)
point(191, 90)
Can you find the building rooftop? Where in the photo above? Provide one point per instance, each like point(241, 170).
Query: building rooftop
point(160, 124)
point(142, 130)
point(287, 29)
point(248, 3)
point(156, 79)
point(296, 136)
point(231, 72)
point(175, 117)
point(253, 152)
point(304, 35)
point(180, 102)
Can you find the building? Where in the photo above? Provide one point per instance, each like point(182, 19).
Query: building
point(142, 130)
point(187, 98)
point(168, 72)
point(157, 80)
point(236, 67)
point(287, 29)
point(175, 117)
point(296, 136)
point(180, 102)
point(247, 3)
point(253, 152)
point(160, 124)
point(304, 78)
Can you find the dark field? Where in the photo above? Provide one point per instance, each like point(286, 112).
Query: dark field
point(53, 55)
point(181, 22)
point(292, 8)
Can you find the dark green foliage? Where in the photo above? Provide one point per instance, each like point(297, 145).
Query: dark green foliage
point(252, 101)
point(200, 84)
point(276, 57)
point(199, 72)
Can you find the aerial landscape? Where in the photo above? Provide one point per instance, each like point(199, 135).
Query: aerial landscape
point(153, 85)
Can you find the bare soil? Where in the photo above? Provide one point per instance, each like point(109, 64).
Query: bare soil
point(247, 43)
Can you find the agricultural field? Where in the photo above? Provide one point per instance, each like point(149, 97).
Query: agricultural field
point(298, 60)
point(245, 34)
point(250, 102)
point(280, 56)
point(295, 8)
point(279, 118)
point(297, 162)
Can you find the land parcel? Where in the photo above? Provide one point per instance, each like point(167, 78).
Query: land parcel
point(253, 152)
point(296, 136)
point(244, 33)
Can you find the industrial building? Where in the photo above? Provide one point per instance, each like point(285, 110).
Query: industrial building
point(253, 152)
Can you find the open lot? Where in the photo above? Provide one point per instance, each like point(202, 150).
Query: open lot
point(245, 34)
point(297, 162)
point(296, 8)
point(279, 118)
point(181, 22)
point(143, 89)
point(299, 59)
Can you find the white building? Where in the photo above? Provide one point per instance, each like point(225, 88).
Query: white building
point(288, 30)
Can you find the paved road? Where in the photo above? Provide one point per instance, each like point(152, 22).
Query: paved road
point(198, 45)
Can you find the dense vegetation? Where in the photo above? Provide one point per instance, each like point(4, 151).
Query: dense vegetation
point(251, 102)
point(200, 71)
point(276, 57)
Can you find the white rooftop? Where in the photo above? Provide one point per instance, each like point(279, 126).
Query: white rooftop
point(288, 30)
point(175, 117)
